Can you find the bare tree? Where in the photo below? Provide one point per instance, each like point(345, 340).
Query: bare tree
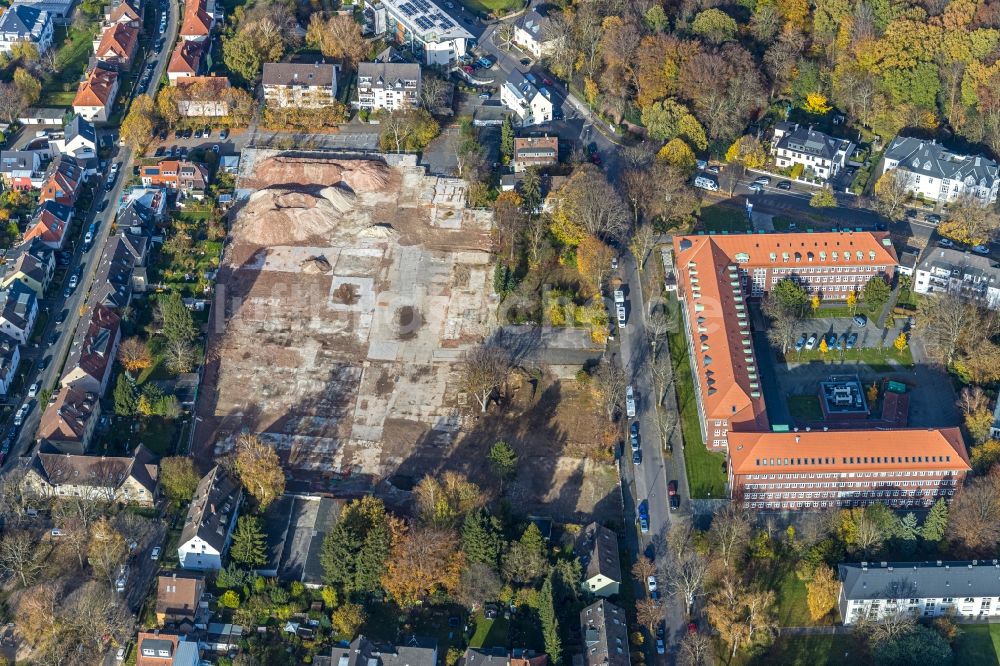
point(950, 326)
point(484, 370)
point(18, 557)
point(686, 568)
point(594, 204)
point(643, 569)
point(535, 233)
point(975, 516)
point(434, 92)
point(695, 650)
point(782, 330)
point(92, 615)
point(14, 501)
point(649, 613)
point(730, 534)
point(887, 628)
point(611, 382)
point(643, 241)
point(505, 36)
point(971, 399)
point(10, 102)
point(969, 221)
point(666, 422)
point(107, 550)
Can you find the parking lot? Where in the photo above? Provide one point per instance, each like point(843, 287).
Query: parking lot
point(844, 328)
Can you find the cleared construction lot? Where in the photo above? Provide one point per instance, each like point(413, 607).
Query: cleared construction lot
point(346, 297)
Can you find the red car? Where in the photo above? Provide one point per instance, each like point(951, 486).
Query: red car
point(672, 488)
point(547, 82)
point(468, 69)
point(692, 628)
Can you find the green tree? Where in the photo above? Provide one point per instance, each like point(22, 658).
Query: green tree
point(354, 552)
point(178, 478)
point(715, 25)
point(921, 645)
point(507, 139)
point(248, 546)
point(230, 599)
point(936, 523)
point(347, 620)
point(29, 89)
point(657, 19)
point(668, 120)
point(126, 400)
point(178, 323)
point(531, 190)
point(876, 292)
point(823, 199)
point(503, 462)
point(791, 296)
point(482, 538)
point(526, 560)
point(909, 527)
point(550, 624)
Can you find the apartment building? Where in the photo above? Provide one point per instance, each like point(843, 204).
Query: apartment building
point(910, 468)
point(175, 175)
point(821, 154)
point(429, 31)
point(531, 33)
point(211, 517)
point(958, 273)
point(10, 359)
point(531, 105)
point(535, 151)
point(388, 85)
point(68, 423)
point(967, 589)
point(938, 174)
point(299, 85)
point(95, 96)
point(129, 479)
point(116, 46)
point(26, 23)
point(604, 628)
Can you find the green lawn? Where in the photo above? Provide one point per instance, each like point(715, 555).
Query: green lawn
point(719, 218)
point(489, 633)
point(704, 467)
point(811, 651)
point(782, 223)
point(805, 407)
point(878, 359)
point(492, 6)
point(843, 312)
point(71, 62)
point(978, 644)
point(793, 609)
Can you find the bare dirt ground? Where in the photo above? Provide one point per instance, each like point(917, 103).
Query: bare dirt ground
point(347, 295)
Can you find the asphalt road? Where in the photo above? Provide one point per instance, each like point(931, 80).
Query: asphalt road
point(648, 480)
point(55, 302)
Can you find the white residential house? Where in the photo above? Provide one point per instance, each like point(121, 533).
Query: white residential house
point(79, 139)
point(388, 85)
point(967, 589)
point(10, 358)
point(817, 152)
point(530, 105)
point(958, 273)
point(938, 174)
point(208, 528)
point(531, 33)
point(18, 311)
point(25, 23)
point(425, 27)
point(299, 85)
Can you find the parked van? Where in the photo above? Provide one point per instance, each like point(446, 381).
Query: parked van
point(706, 183)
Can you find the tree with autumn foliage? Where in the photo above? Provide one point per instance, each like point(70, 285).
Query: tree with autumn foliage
point(510, 220)
point(446, 501)
point(259, 469)
point(424, 561)
point(822, 592)
point(134, 355)
point(593, 260)
point(748, 152)
point(816, 104)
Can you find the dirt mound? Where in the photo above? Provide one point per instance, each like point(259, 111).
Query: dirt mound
point(378, 231)
point(279, 216)
point(316, 265)
point(360, 175)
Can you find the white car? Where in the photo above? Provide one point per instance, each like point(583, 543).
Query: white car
point(619, 297)
point(621, 316)
point(811, 342)
point(651, 583)
point(155, 554)
point(630, 401)
point(33, 390)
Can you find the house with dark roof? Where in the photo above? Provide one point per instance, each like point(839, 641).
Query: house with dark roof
point(211, 517)
point(117, 44)
point(121, 270)
point(958, 273)
point(79, 139)
point(18, 311)
point(531, 105)
point(388, 85)
point(21, 169)
point(68, 423)
point(535, 151)
point(968, 589)
point(820, 155)
point(414, 651)
point(597, 548)
point(92, 355)
point(179, 599)
point(294, 527)
point(604, 628)
point(935, 173)
point(50, 224)
point(10, 358)
point(95, 96)
point(33, 266)
point(123, 11)
point(501, 657)
point(23, 22)
point(63, 181)
point(131, 479)
point(160, 648)
point(532, 33)
point(302, 85)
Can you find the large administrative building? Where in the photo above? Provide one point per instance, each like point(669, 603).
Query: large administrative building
point(769, 466)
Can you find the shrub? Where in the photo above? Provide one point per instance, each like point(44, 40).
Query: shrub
point(230, 599)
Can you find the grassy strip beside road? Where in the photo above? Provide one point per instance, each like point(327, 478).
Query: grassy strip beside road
point(881, 359)
point(704, 468)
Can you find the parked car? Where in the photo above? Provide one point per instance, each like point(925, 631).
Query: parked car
point(661, 647)
point(163, 135)
point(756, 188)
point(981, 249)
point(484, 95)
point(651, 583)
point(207, 133)
point(33, 390)
point(832, 343)
point(101, 207)
point(763, 180)
point(852, 340)
point(155, 553)
point(637, 457)
point(633, 436)
point(197, 134)
point(630, 401)
point(530, 78)
point(800, 343)
point(712, 169)
point(74, 279)
point(224, 134)
point(811, 342)
point(860, 320)
point(706, 183)
point(56, 532)
point(945, 242)
point(159, 152)
point(934, 219)
point(785, 185)
point(620, 310)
